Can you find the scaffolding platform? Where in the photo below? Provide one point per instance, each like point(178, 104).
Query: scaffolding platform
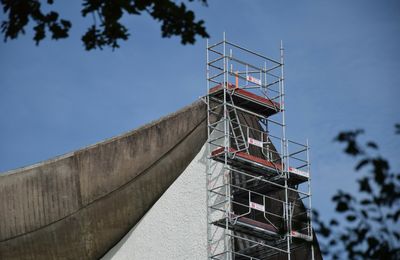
point(254, 164)
point(264, 252)
point(249, 226)
point(247, 100)
point(256, 228)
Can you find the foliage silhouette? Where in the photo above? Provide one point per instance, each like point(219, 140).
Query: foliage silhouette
point(368, 224)
point(107, 29)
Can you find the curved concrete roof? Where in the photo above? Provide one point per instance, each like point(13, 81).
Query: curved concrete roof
point(81, 204)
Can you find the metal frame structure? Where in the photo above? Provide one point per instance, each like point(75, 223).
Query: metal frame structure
point(258, 182)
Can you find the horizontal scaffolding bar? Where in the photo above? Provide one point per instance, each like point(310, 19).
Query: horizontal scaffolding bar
point(252, 52)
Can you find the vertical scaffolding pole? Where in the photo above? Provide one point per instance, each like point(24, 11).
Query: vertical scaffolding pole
point(226, 145)
point(309, 200)
point(208, 166)
point(285, 158)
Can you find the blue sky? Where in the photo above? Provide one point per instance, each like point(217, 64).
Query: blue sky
point(342, 72)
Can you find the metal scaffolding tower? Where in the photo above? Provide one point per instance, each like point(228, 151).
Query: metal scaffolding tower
point(258, 181)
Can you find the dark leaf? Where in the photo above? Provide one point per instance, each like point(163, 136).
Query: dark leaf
point(350, 247)
point(364, 185)
point(344, 237)
point(366, 202)
point(350, 137)
point(353, 149)
point(388, 190)
point(315, 213)
point(397, 127)
point(336, 197)
point(361, 233)
point(381, 167)
point(347, 197)
point(40, 33)
point(18, 13)
point(324, 230)
point(361, 164)
point(342, 206)
point(372, 242)
point(58, 31)
point(364, 213)
point(333, 222)
point(351, 218)
point(396, 215)
point(65, 23)
point(372, 145)
point(93, 39)
point(51, 17)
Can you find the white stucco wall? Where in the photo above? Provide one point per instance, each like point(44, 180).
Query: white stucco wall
point(175, 227)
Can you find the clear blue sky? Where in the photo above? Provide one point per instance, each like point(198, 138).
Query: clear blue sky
point(342, 72)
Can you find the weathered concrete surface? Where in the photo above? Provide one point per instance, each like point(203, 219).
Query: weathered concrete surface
point(176, 226)
point(79, 205)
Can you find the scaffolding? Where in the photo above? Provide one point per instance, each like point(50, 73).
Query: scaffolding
point(258, 181)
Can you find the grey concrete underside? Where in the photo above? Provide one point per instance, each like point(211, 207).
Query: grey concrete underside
point(79, 205)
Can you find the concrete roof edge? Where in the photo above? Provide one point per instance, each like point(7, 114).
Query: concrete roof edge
point(105, 141)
